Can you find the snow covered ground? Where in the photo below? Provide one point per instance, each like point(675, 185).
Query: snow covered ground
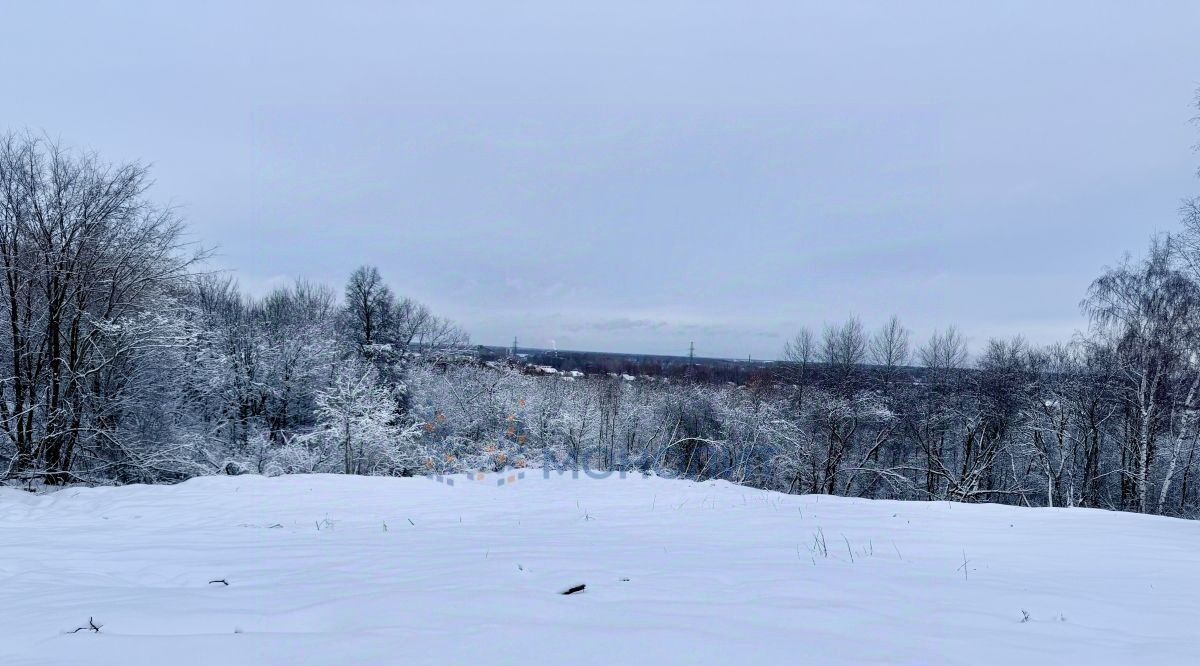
point(352, 570)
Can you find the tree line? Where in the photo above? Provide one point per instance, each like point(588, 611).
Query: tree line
point(124, 361)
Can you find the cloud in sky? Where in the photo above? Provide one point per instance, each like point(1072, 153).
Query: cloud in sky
point(633, 176)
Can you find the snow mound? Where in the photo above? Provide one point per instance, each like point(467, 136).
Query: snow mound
point(340, 569)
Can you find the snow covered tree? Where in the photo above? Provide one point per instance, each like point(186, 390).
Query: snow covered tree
point(82, 253)
point(1151, 308)
point(359, 415)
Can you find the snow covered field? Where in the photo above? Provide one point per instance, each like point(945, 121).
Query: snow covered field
point(342, 570)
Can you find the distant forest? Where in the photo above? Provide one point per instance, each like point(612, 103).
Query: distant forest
point(698, 368)
point(124, 361)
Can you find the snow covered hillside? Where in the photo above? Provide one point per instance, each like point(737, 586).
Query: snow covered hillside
point(345, 569)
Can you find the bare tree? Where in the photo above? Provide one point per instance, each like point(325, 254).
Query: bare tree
point(81, 252)
point(369, 307)
point(798, 356)
point(416, 327)
point(843, 350)
point(1150, 307)
point(889, 349)
point(945, 351)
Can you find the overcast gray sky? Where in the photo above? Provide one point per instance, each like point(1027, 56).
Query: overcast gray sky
point(634, 176)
